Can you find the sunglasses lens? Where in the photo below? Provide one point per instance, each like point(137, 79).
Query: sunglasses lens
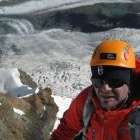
point(113, 83)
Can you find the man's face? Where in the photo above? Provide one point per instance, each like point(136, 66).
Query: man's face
point(111, 96)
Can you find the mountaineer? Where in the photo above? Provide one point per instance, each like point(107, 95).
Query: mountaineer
point(109, 109)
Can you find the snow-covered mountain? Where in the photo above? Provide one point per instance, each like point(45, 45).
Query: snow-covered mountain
point(53, 40)
point(58, 59)
point(14, 6)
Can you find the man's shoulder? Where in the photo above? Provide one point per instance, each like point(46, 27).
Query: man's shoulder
point(85, 92)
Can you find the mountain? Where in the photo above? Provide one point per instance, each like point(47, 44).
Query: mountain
point(50, 43)
point(53, 42)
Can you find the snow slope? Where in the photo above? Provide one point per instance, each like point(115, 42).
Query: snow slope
point(50, 5)
point(10, 82)
point(59, 59)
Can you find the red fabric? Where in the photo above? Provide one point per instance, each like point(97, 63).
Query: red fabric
point(72, 119)
point(104, 125)
point(137, 69)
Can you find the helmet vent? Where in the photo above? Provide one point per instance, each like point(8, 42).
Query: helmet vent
point(108, 56)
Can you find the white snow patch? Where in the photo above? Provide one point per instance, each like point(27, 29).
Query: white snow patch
point(10, 83)
point(18, 111)
point(36, 90)
point(26, 96)
point(44, 108)
point(63, 104)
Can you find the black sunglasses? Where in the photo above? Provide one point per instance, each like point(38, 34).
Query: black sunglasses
point(113, 83)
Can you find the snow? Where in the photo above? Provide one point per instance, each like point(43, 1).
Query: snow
point(63, 104)
point(25, 96)
point(44, 107)
point(50, 5)
point(10, 83)
point(36, 90)
point(61, 65)
point(18, 111)
point(55, 65)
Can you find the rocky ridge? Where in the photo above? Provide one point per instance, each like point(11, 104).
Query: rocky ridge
point(27, 118)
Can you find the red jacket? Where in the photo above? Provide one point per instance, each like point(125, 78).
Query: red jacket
point(104, 125)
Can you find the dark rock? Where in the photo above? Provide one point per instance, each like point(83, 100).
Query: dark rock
point(26, 79)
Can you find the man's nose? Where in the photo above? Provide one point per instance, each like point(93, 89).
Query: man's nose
point(106, 87)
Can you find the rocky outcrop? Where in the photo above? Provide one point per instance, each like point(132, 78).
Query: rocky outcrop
point(30, 118)
point(26, 79)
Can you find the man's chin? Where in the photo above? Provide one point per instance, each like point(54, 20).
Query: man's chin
point(109, 103)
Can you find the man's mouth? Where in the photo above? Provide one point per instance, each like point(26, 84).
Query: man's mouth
point(108, 96)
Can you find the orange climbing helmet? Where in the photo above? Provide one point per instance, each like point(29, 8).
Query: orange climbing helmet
point(114, 53)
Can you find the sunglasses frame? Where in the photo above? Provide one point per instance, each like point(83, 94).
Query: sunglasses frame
point(113, 83)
